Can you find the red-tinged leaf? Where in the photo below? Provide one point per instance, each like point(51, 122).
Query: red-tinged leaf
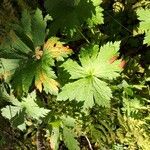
point(56, 48)
point(122, 64)
point(113, 59)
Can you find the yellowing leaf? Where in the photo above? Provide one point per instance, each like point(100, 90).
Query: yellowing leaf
point(44, 80)
point(56, 48)
point(38, 84)
point(5, 75)
point(38, 53)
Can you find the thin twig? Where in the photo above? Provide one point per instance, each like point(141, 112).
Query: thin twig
point(83, 35)
point(90, 146)
point(119, 22)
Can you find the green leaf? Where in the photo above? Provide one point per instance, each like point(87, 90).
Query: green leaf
point(10, 111)
point(38, 70)
point(18, 44)
point(147, 38)
point(69, 139)
point(28, 73)
point(97, 16)
point(19, 120)
point(74, 69)
point(38, 26)
point(16, 115)
point(95, 67)
point(26, 22)
point(102, 93)
point(143, 16)
point(28, 103)
point(23, 77)
point(35, 62)
point(44, 77)
point(94, 88)
point(77, 90)
point(96, 2)
point(26, 108)
point(68, 121)
point(112, 50)
point(8, 67)
point(32, 109)
point(54, 138)
point(132, 105)
point(68, 14)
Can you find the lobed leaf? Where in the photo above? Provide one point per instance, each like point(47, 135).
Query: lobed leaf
point(38, 26)
point(32, 109)
point(68, 15)
point(56, 48)
point(19, 110)
point(26, 22)
point(143, 16)
point(95, 67)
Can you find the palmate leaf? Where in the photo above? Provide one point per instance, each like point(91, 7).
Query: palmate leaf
point(94, 88)
point(17, 113)
point(14, 112)
point(95, 66)
point(53, 49)
point(39, 67)
point(144, 17)
point(38, 70)
point(35, 58)
point(67, 14)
